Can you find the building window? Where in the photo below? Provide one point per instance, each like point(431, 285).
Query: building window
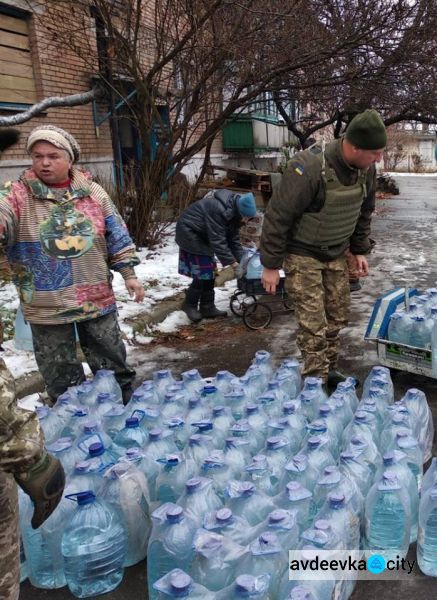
point(17, 82)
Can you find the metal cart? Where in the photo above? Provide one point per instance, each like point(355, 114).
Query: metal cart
point(251, 302)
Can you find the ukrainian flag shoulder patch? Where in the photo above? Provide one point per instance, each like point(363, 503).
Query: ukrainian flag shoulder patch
point(299, 169)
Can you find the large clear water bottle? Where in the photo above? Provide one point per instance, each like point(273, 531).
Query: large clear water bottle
point(193, 381)
point(178, 584)
point(310, 404)
point(224, 522)
point(126, 489)
point(162, 379)
point(243, 431)
point(114, 420)
point(284, 524)
point(411, 447)
point(104, 382)
point(387, 518)
point(258, 472)
point(352, 464)
point(319, 428)
point(397, 331)
point(86, 394)
point(180, 431)
point(198, 448)
point(222, 420)
point(298, 499)
point(278, 452)
point(258, 422)
point(236, 400)
point(322, 535)
point(377, 371)
point(94, 546)
point(267, 556)
point(292, 368)
point(263, 360)
point(396, 462)
point(299, 469)
point(319, 455)
point(51, 423)
point(427, 533)
point(257, 379)
point(42, 546)
point(170, 482)
point(247, 586)
point(196, 410)
point(430, 477)
point(367, 451)
point(92, 433)
point(416, 402)
point(237, 452)
point(343, 519)
point(217, 559)
point(76, 423)
point(321, 589)
point(216, 467)
point(246, 501)
point(67, 452)
point(170, 543)
point(86, 475)
point(339, 404)
point(420, 335)
point(222, 381)
point(199, 497)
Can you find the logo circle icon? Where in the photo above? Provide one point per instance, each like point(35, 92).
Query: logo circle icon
point(376, 564)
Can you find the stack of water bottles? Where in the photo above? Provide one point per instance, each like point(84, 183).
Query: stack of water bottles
point(216, 480)
point(414, 326)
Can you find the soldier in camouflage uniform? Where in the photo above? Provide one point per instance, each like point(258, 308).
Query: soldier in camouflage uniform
point(319, 215)
point(23, 461)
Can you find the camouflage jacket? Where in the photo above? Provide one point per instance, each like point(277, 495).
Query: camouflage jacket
point(21, 439)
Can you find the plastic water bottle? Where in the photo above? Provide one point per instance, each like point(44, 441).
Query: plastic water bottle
point(322, 535)
point(343, 519)
point(430, 477)
point(299, 469)
point(170, 543)
point(126, 489)
point(217, 559)
point(65, 405)
point(86, 394)
point(427, 534)
point(339, 404)
point(243, 431)
point(199, 497)
point(396, 462)
point(364, 425)
point(42, 546)
point(198, 448)
point(377, 371)
point(193, 381)
point(283, 523)
point(237, 452)
point(303, 592)
point(104, 382)
point(416, 402)
point(105, 456)
point(282, 428)
point(247, 586)
point(222, 381)
point(178, 584)
point(50, 423)
point(388, 517)
point(353, 465)
point(64, 450)
point(114, 420)
point(319, 428)
point(75, 425)
point(299, 499)
point(246, 501)
point(92, 433)
point(263, 360)
point(224, 522)
point(211, 395)
point(396, 330)
point(162, 379)
point(236, 400)
point(278, 452)
point(257, 379)
point(321, 589)
point(258, 422)
point(94, 546)
point(292, 368)
point(310, 404)
point(319, 455)
point(267, 556)
point(170, 483)
point(367, 451)
point(398, 423)
point(216, 467)
point(410, 446)
point(86, 475)
point(420, 333)
point(258, 472)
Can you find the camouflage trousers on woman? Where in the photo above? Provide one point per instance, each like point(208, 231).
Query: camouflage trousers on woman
point(9, 539)
point(321, 297)
point(102, 345)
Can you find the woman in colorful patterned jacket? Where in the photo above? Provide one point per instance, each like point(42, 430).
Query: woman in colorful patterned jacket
point(61, 236)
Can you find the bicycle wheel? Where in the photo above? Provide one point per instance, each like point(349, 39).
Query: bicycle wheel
point(239, 301)
point(257, 315)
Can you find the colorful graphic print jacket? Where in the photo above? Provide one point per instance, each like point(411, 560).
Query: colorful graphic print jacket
point(60, 248)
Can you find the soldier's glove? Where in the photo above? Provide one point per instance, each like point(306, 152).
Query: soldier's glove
point(44, 483)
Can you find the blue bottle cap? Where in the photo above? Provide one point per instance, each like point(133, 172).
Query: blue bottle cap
point(209, 389)
point(193, 402)
point(175, 422)
point(222, 375)
point(245, 584)
point(155, 434)
point(193, 484)
point(336, 500)
point(192, 374)
point(240, 427)
point(317, 425)
point(223, 515)
point(180, 583)
point(247, 488)
point(276, 516)
point(289, 408)
point(132, 422)
point(217, 411)
point(104, 397)
point(62, 443)
point(174, 513)
point(322, 525)
point(90, 426)
point(314, 441)
point(273, 384)
point(85, 498)
point(275, 442)
point(80, 412)
point(325, 410)
point(163, 374)
point(251, 409)
point(96, 449)
point(204, 425)
point(133, 452)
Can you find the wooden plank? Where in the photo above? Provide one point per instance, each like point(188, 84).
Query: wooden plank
point(13, 24)
point(14, 55)
point(12, 82)
point(18, 96)
point(14, 40)
point(10, 68)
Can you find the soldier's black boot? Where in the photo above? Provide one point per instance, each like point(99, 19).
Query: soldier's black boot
point(207, 307)
point(191, 303)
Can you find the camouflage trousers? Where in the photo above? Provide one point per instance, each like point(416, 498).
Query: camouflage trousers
point(102, 345)
point(9, 539)
point(321, 297)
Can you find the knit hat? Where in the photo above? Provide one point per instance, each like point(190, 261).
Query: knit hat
point(246, 205)
point(56, 136)
point(367, 131)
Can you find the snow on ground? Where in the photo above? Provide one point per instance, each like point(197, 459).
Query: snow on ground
point(158, 272)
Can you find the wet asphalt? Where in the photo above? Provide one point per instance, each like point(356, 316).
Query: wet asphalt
point(405, 254)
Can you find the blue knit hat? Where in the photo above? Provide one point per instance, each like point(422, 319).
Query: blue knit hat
point(246, 205)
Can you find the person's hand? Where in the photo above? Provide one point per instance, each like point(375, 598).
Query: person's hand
point(362, 265)
point(44, 484)
point(238, 270)
point(270, 279)
point(135, 289)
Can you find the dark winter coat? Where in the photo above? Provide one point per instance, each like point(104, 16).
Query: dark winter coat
point(211, 226)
